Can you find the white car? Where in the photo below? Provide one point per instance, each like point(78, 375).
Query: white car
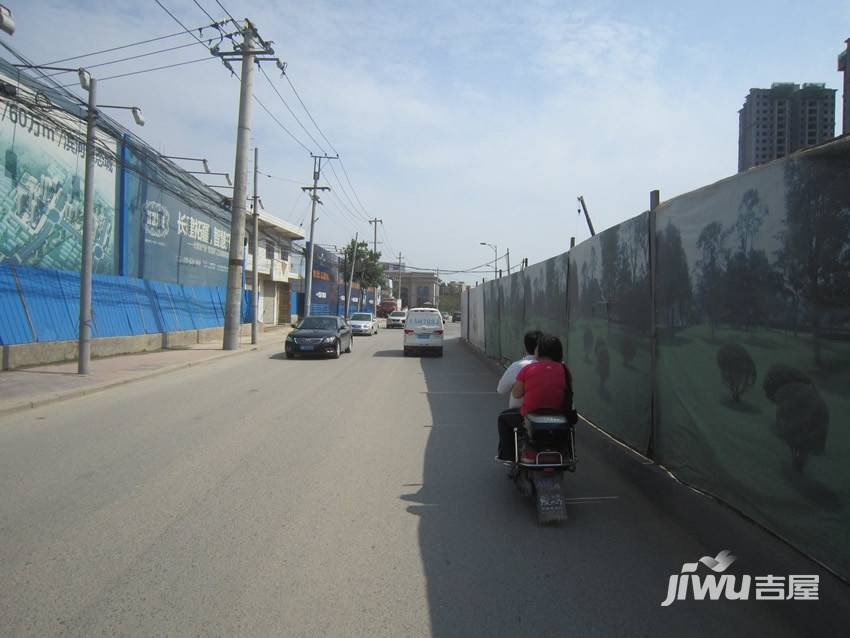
point(363, 323)
point(423, 332)
point(396, 319)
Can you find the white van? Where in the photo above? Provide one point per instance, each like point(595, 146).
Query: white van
point(423, 331)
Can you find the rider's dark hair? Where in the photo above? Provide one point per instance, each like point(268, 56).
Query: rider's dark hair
point(549, 347)
point(530, 340)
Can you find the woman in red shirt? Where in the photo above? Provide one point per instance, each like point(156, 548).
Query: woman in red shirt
point(543, 384)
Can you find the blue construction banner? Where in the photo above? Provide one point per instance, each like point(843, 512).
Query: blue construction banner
point(169, 239)
point(325, 293)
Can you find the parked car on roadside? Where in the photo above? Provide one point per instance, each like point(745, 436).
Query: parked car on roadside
point(423, 332)
point(456, 316)
point(396, 319)
point(326, 335)
point(446, 317)
point(363, 323)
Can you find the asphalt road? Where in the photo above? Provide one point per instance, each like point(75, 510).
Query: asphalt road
point(259, 496)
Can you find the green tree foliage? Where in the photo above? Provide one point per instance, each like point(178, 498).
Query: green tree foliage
point(588, 343)
point(603, 362)
point(779, 375)
point(368, 271)
point(737, 369)
point(628, 350)
point(802, 421)
point(814, 258)
point(674, 293)
point(710, 273)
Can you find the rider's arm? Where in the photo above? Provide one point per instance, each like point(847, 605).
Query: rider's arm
point(518, 390)
point(508, 378)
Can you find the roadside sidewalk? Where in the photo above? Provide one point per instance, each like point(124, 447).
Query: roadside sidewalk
point(26, 388)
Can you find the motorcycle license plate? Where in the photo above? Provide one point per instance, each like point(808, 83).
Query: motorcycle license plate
point(544, 484)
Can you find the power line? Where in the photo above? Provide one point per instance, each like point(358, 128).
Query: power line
point(125, 46)
point(133, 57)
point(291, 112)
point(348, 179)
point(158, 68)
point(278, 122)
point(307, 111)
point(185, 28)
point(347, 196)
point(229, 15)
point(198, 4)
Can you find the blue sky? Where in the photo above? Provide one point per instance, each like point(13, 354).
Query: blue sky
point(467, 122)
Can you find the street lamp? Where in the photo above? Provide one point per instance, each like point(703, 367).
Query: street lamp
point(226, 175)
point(190, 159)
point(6, 23)
point(88, 83)
point(495, 258)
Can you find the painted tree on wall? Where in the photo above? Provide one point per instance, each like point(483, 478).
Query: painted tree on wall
point(710, 268)
point(815, 252)
point(674, 293)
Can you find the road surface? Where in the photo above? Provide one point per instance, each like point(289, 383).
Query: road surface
point(259, 496)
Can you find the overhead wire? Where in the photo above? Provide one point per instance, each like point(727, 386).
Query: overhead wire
point(347, 196)
point(291, 112)
point(124, 46)
point(280, 124)
point(156, 68)
point(206, 13)
point(307, 111)
point(229, 15)
point(127, 59)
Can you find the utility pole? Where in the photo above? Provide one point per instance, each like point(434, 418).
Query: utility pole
point(351, 277)
point(375, 222)
point(508, 261)
point(84, 354)
point(255, 276)
point(314, 196)
point(399, 278)
point(248, 53)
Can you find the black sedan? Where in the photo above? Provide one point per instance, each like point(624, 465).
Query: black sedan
point(319, 335)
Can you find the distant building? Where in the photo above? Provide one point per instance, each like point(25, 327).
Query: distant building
point(275, 274)
point(777, 121)
point(842, 66)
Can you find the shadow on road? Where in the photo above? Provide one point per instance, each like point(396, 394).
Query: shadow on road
point(491, 570)
point(388, 353)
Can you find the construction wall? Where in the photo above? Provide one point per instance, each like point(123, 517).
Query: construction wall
point(713, 336)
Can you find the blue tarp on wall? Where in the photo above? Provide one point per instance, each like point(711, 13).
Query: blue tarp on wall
point(38, 304)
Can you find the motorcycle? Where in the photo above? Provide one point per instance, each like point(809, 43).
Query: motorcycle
point(544, 448)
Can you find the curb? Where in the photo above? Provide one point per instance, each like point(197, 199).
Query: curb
point(94, 389)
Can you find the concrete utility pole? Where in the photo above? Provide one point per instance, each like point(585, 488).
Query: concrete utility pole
point(314, 196)
point(399, 279)
point(375, 222)
point(84, 354)
point(248, 53)
point(508, 261)
point(351, 277)
point(255, 276)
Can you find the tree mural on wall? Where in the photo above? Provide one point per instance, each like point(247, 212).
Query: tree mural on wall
point(710, 268)
point(814, 259)
point(673, 287)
